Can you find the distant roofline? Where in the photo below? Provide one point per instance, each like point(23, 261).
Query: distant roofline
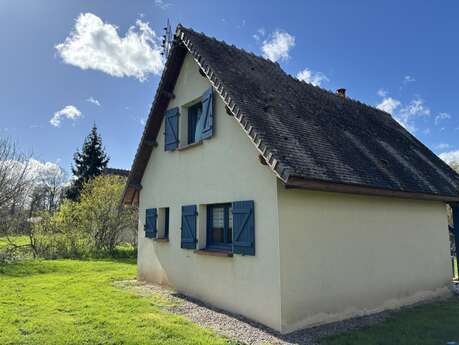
point(117, 172)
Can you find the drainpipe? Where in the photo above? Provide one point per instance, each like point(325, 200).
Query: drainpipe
point(455, 209)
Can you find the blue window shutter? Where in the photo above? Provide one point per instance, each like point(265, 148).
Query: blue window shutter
point(171, 131)
point(151, 215)
point(206, 122)
point(188, 238)
point(243, 227)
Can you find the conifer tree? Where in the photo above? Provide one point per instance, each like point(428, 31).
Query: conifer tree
point(88, 163)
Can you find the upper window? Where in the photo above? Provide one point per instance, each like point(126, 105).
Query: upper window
point(194, 125)
point(219, 226)
point(194, 116)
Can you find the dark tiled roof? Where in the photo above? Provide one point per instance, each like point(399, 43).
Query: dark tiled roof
point(307, 133)
point(117, 172)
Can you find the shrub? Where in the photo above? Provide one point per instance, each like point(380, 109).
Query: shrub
point(91, 227)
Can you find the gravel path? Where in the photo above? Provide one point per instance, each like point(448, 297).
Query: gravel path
point(237, 327)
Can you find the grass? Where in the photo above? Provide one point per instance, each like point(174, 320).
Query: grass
point(430, 324)
point(76, 302)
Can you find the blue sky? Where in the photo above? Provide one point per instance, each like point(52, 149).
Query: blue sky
point(67, 64)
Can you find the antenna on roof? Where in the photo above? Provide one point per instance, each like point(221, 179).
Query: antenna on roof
point(167, 39)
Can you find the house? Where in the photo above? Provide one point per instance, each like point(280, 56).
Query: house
point(116, 172)
point(280, 201)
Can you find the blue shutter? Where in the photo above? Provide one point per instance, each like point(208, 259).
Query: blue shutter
point(188, 238)
point(243, 227)
point(151, 215)
point(171, 131)
point(206, 121)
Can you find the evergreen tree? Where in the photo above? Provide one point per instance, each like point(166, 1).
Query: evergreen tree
point(89, 162)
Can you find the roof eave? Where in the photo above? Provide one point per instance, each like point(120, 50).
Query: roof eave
point(294, 182)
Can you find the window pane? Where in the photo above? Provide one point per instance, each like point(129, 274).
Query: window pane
point(218, 224)
point(194, 114)
point(198, 128)
point(218, 217)
point(229, 235)
point(166, 222)
point(217, 235)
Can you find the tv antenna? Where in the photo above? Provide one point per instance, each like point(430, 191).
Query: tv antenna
point(167, 39)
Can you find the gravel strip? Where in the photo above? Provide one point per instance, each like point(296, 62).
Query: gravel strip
point(237, 327)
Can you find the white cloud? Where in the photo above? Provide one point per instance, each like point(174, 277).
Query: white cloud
point(415, 107)
point(278, 46)
point(240, 26)
point(43, 170)
point(408, 79)
point(34, 170)
point(315, 78)
point(441, 116)
point(382, 93)
point(69, 112)
point(96, 45)
point(450, 156)
point(442, 146)
point(143, 121)
point(259, 34)
point(410, 112)
point(162, 4)
point(405, 114)
point(93, 101)
point(389, 105)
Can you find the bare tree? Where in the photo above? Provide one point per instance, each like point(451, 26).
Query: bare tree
point(14, 179)
point(49, 183)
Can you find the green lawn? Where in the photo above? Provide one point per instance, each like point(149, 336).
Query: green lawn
point(430, 324)
point(75, 302)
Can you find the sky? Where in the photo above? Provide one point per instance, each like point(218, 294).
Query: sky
point(65, 65)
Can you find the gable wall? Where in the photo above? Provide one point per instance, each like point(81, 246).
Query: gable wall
point(345, 255)
point(224, 168)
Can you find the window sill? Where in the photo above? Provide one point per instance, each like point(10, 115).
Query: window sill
point(209, 252)
point(161, 240)
point(196, 143)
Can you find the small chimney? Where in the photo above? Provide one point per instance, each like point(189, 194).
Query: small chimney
point(341, 92)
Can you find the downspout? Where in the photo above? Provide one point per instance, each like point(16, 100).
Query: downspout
point(455, 209)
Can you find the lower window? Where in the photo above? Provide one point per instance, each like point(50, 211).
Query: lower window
point(219, 227)
point(163, 223)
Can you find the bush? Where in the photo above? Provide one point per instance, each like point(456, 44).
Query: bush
point(91, 227)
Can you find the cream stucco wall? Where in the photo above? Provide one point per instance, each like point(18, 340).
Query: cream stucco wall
point(345, 255)
point(222, 169)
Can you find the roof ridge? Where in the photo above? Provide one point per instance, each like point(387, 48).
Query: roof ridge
point(332, 93)
point(230, 45)
point(328, 91)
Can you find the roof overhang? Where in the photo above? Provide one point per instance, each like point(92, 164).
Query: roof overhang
point(180, 48)
point(325, 186)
